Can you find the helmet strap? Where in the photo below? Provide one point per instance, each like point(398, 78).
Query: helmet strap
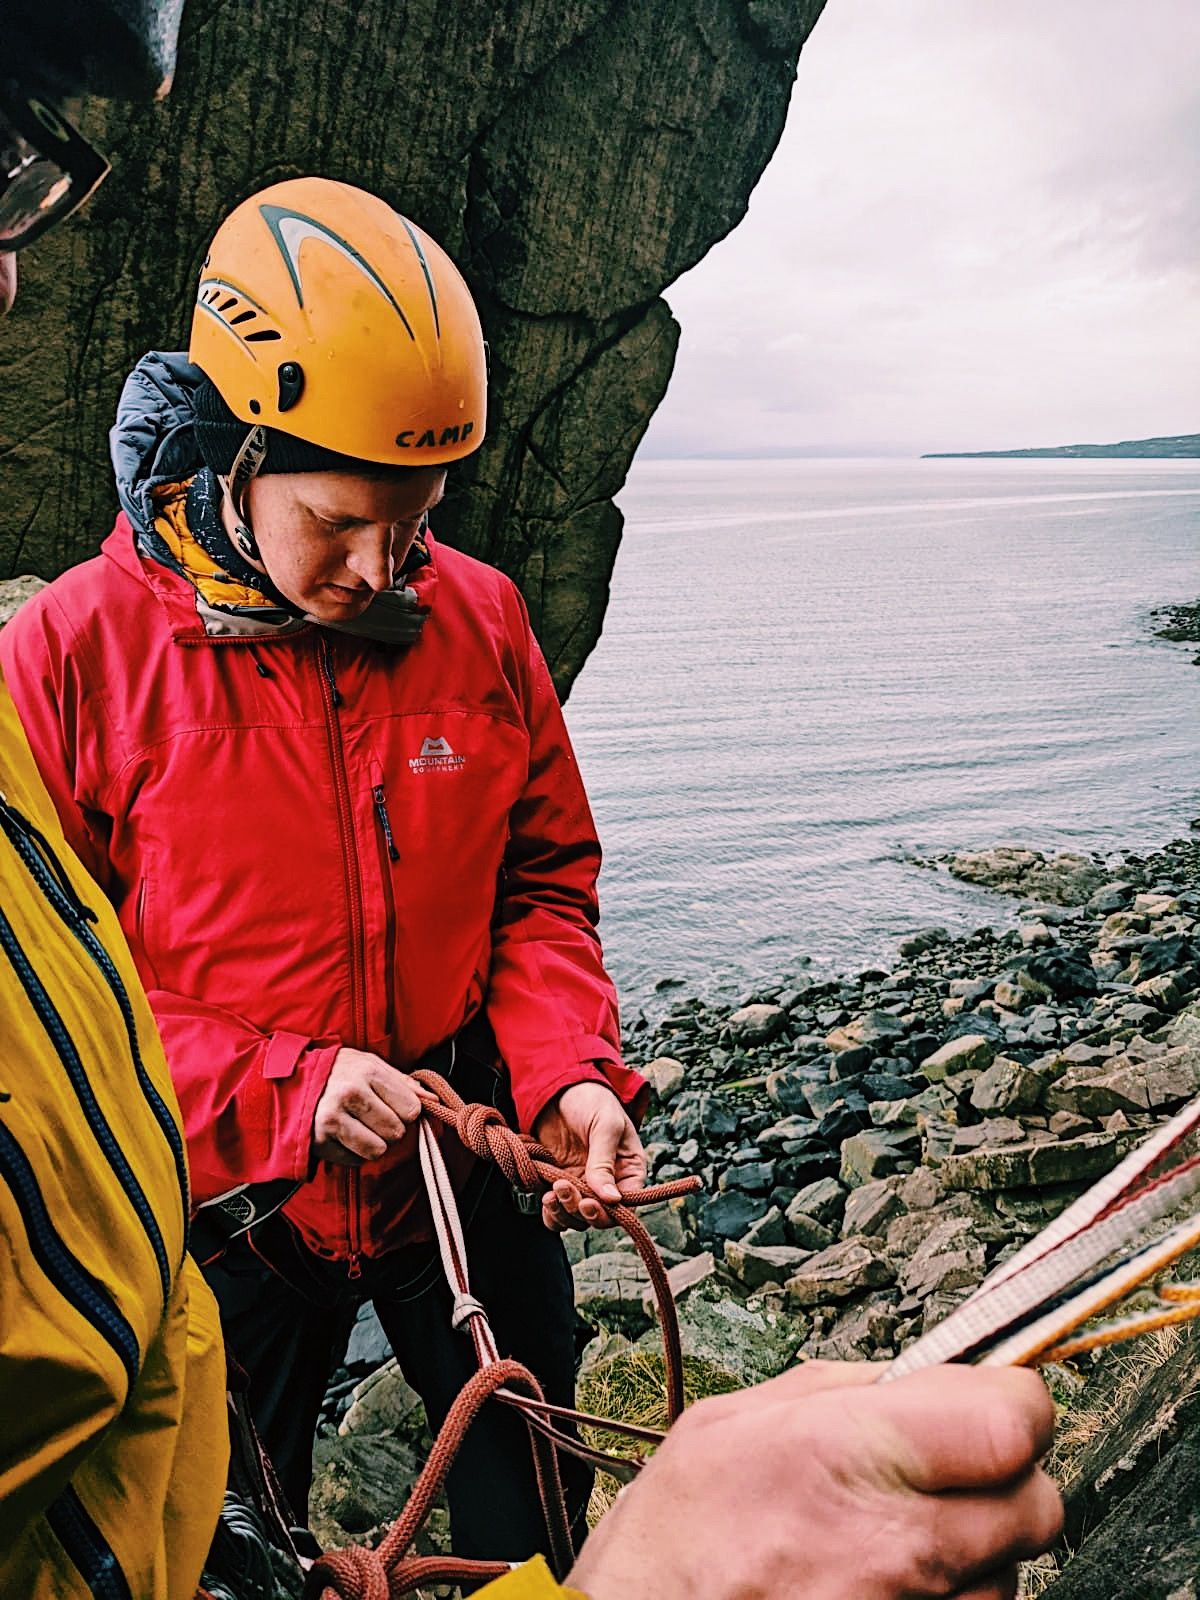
point(247, 464)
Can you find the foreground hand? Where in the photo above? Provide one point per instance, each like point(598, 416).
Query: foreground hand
point(366, 1107)
point(588, 1132)
point(822, 1486)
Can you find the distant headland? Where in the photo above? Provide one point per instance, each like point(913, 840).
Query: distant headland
point(1172, 447)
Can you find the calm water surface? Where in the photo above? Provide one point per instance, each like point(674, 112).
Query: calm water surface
point(811, 671)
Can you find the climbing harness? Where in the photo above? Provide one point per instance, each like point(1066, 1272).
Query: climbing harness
point(1034, 1307)
point(392, 1570)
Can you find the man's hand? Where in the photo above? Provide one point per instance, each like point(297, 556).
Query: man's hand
point(822, 1486)
point(588, 1132)
point(366, 1107)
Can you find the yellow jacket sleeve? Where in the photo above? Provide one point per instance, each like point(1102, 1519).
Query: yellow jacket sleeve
point(113, 1433)
point(530, 1582)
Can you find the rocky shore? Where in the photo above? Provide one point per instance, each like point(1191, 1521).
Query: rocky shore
point(869, 1146)
point(1180, 624)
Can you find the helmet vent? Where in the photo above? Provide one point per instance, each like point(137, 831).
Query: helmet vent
point(262, 333)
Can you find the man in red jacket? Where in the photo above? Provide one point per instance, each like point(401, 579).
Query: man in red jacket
point(318, 763)
point(928, 1485)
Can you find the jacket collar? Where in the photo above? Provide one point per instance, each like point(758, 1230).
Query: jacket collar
point(180, 602)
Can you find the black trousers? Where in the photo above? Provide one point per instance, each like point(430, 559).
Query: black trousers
point(287, 1328)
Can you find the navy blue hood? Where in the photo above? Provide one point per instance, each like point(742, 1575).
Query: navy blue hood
point(153, 442)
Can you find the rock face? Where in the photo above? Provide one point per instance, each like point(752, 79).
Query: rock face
point(572, 170)
point(1135, 1498)
point(15, 591)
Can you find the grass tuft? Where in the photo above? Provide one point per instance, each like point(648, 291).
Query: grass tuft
point(631, 1387)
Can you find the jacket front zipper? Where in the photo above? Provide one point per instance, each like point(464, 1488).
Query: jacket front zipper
point(90, 1552)
point(48, 874)
point(389, 855)
point(64, 1269)
point(331, 699)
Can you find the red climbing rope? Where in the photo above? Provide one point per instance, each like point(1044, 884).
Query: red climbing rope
point(392, 1570)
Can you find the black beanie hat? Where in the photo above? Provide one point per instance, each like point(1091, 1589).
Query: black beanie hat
point(220, 435)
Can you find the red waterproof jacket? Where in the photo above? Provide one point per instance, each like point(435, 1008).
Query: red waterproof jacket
point(315, 841)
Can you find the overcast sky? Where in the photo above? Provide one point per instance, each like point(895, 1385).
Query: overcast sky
point(980, 230)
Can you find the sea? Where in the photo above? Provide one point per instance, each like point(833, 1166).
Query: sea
point(815, 675)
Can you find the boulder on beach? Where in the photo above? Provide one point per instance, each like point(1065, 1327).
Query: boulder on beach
point(1065, 879)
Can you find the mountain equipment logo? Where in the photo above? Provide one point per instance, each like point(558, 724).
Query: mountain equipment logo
point(436, 756)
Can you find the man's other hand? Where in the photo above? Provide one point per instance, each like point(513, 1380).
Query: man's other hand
point(588, 1132)
point(823, 1485)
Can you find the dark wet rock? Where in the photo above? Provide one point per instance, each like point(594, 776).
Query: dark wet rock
point(824, 1200)
point(779, 1134)
point(845, 1119)
point(702, 1116)
point(769, 1229)
point(1066, 974)
point(1159, 956)
point(796, 1170)
point(752, 1177)
point(368, 1347)
point(729, 1214)
point(880, 1086)
point(877, 1153)
point(977, 1023)
point(917, 1046)
point(851, 1062)
point(787, 1089)
point(1111, 897)
point(823, 1097)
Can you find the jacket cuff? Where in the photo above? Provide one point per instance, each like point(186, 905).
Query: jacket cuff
point(295, 1071)
point(584, 1058)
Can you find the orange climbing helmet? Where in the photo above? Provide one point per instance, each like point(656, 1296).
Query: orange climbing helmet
point(324, 314)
